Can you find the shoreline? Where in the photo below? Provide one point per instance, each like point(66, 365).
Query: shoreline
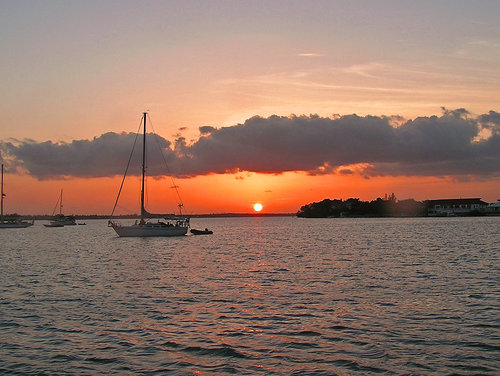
point(246, 215)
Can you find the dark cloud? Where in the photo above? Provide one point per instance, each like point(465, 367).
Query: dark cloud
point(345, 171)
point(491, 121)
point(106, 155)
point(206, 130)
point(453, 144)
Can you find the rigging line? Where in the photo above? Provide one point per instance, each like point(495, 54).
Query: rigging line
point(55, 207)
point(166, 165)
point(146, 181)
point(126, 170)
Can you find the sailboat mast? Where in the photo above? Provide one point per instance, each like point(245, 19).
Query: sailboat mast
point(1, 213)
point(60, 203)
point(143, 165)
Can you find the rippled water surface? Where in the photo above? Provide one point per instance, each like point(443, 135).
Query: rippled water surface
point(261, 296)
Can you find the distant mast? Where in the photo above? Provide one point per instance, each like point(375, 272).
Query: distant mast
point(60, 203)
point(1, 213)
point(143, 211)
point(12, 222)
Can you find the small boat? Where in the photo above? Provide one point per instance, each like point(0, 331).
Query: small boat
point(11, 221)
point(171, 225)
point(201, 232)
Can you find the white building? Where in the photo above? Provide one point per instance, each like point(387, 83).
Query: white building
point(455, 206)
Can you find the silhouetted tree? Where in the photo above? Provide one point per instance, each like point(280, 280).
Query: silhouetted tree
point(387, 207)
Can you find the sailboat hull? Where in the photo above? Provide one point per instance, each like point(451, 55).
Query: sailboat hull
point(16, 225)
point(62, 221)
point(149, 230)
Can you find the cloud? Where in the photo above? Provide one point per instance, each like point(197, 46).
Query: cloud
point(446, 145)
point(367, 70)
point(102, 156)
point(310, 54)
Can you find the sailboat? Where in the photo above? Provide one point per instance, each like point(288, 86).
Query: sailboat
point(11, 222)
point(61, 220)
point(171, 225)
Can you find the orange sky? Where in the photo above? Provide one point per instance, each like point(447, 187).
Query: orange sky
point(283, 193)
point(73, 71)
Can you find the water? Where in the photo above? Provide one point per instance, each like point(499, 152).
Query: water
point(262, 296)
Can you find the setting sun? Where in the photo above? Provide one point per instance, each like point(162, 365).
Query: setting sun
point(257, 207)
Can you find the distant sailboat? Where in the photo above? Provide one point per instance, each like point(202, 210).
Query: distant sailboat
point(11, 221)
point(61, 220)
point(171, 226)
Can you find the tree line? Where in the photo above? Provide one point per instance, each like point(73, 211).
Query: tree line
point(389, 206)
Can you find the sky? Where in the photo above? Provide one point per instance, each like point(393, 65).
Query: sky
point(278, 102)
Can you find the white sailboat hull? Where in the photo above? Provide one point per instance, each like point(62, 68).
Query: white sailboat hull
point(149, 229)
